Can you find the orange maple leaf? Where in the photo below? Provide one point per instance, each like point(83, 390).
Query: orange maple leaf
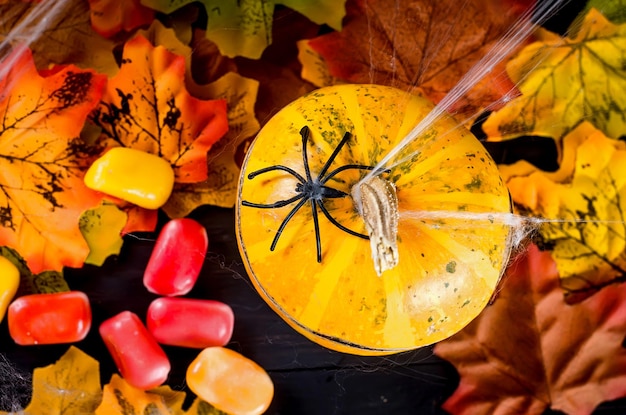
point(423, 45)
point(42, 161)
point(530, 350)
point(147, 107)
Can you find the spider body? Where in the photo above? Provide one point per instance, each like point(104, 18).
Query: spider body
point(309, 189)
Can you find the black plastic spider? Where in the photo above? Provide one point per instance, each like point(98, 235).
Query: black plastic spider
point(309, 189)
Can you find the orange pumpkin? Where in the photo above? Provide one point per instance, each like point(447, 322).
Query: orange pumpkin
point(305, 244)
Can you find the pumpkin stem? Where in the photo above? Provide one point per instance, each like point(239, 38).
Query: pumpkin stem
point(378, 206)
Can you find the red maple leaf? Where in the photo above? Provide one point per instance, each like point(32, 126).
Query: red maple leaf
point(530, 350)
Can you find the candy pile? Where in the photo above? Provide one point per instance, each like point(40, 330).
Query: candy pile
point(220, 376)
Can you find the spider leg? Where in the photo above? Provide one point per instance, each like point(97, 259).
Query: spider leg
point(305, 132)
point(348, 167)
point(285, 221)
point(278, 204)
point(330, 160)
point(273, 168)
point(316, 223)
point(337, 224)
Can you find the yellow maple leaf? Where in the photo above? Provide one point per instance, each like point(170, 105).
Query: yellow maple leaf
point(71, 386)
point(585, 201)
point(565, 81)
point(121, 398)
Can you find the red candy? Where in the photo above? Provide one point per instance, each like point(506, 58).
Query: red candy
point(177, 258)
point(190, 323)
point(138, 357)
point(49, 318)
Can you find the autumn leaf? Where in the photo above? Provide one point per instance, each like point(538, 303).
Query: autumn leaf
point(44, 282)
point(42, 162)
point(530, 351)
point(200, 407)
point(278, 70)
point(102, 228)
point(66, 38)
point(183, 21)
point(244, 28)
point(240, 93)
point(565, 81)
point(202, 59)
point(328, 12)
point(419, 45)
point(220, 188)
point(614, 10)
point(314, 67)
point(239, 28)
point(110, 17)
point(146, 107)
point(586, 198)
point(71, 386)
point(120, 398)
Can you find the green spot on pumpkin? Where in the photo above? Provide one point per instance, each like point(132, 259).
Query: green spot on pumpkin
point(451, 267)
point(475, 184)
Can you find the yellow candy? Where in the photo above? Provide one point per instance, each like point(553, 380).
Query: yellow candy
point(9, 281)
point(230, 382)
point(132, 175)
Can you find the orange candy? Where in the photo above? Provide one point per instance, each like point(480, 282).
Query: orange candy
point(230, 382)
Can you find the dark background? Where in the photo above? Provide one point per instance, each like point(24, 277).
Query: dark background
point(308, 379)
